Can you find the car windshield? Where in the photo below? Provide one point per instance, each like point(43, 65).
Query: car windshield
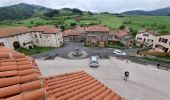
point(93, 61)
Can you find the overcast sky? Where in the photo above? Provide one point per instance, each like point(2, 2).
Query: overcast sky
point(95, 5)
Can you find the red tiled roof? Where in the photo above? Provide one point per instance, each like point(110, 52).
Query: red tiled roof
point(97, 28)
point(79, 28)
point(119, 33)
point(5, 32)
point(78, 86)
point(19, 77)
point(149, 31)
point(46, 29)
point(71, 32)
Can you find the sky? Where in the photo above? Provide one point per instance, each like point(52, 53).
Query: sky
point(95, 5)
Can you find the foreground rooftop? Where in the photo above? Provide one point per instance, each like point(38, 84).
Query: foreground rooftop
point(21, 79)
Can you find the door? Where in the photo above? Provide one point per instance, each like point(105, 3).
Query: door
point(144, 40)
point(16, 45)
point(166, 50)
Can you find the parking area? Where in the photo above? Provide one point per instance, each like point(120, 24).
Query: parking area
point(146, 82)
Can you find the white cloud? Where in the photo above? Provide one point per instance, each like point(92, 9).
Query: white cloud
point(95, 5)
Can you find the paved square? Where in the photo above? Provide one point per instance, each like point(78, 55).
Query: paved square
point(146, 82)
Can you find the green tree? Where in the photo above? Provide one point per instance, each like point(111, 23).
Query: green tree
point(133, 32)
point(31, 22)
point(122, 27)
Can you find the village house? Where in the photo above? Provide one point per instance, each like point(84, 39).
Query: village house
point(145, 37)
point(96, 35)
point(74, 35)
point(122, 36)
point(162, 43)
point(16, 37)
point(112, 38)
point(47, 36)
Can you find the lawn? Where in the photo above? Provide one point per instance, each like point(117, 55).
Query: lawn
point(117, 45)
point(164, 57)
point(157, 60)
point(35, 50)
point(138, 22)
point(110, 21)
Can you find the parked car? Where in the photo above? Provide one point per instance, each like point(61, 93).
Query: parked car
point(119, 52)
point(94, 61)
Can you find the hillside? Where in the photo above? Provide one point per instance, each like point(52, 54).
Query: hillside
point(158, 12)
point(21, 11)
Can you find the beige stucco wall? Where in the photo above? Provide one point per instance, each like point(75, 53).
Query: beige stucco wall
point(21, 38)
point(150, 37)
point(166, 45)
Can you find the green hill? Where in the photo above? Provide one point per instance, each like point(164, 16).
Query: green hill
point(157, 12)
point(21, 11)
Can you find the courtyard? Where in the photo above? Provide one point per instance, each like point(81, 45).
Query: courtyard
point(146, 82)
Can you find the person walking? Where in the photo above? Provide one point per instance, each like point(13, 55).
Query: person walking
point(158, 65)
point(126, 75)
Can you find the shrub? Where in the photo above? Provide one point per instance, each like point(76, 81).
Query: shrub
point(122, 27)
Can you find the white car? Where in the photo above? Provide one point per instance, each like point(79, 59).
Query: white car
point(119, 52)
point(94, 61)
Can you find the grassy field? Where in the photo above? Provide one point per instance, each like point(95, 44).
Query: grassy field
point(111, 21)
point(35, 50)
point(153, 22)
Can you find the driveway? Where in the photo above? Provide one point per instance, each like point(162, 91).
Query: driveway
point(146, 82)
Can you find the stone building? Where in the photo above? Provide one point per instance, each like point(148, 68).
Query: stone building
point(16, 37)
point(96, 35)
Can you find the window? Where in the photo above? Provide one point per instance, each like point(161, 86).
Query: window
point(139, 38)
point(163, 40)
point(35, 35)
point(147, 35)
point(40, 36)
point(37, 40)
point(2, 44)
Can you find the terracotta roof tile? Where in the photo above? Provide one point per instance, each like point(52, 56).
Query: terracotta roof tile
point(46, 29)
point(119, 33)
point(33, 95)
point(12, 31)
point(71, 32)
point(29, 78)
point(9, 81)
point(19, 77)
point(10, 90)
point(4, 54)
point(5, 32)
point(8, 73)
point(31, 86)
point(8, 68)
point(78, 86)
point(97, 28)
point(25, 72)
